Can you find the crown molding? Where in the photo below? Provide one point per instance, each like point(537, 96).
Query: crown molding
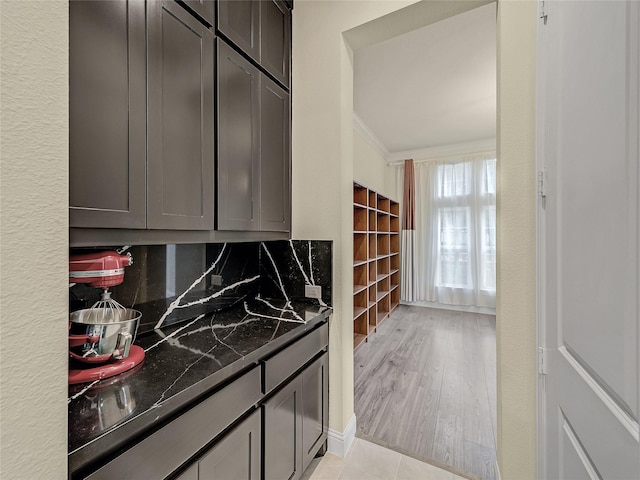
point(369, 137)
point(485, 145)
point(445, 151)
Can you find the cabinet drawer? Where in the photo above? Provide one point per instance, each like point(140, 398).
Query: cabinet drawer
point(171, 446)
point(282, 365)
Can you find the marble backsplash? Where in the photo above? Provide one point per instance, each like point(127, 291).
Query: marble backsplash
point(295, 263)
point(174, 283)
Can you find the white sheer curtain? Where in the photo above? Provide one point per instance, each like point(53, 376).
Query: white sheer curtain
point(455, 253)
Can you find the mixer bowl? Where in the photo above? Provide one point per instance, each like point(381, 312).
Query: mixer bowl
point(99, 335)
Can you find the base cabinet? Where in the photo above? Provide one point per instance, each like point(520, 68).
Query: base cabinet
point(315, 408)
point(296, 422)
point(266, 424)
point(237, 456)
point(283, 433)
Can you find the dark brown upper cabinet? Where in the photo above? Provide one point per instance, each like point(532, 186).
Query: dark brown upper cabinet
point(262, 30)
point(275, 162)
point(238, 141)
point(180, 122)
point(205, 9)
point(239, 21)
point(254, 154)
point(107, 114)
point(275, 39)
point(143, 131)
point(141, 117)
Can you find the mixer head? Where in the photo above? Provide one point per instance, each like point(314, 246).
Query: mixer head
point(99, 269)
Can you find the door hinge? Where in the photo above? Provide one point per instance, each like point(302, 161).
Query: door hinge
point(541, 187)
point(542, 360)
point(542, 12)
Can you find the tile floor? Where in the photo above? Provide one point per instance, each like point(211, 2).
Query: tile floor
point(369, 461)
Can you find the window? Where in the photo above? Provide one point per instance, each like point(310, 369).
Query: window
point(488, 249)
point(450, 256)
point(454, 180)
point(466, 224)
point(453, 260)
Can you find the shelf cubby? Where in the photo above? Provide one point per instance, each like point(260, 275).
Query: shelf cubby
point(394, 224)
point(394, 280)
point(373, 224)
point(383, 244)
point(395, 298)
point(360, 248)
point(360, 303)
point(360, 195)
point(373, 272)
point(383, 223)
point(383, 308)
point(376, 259)
point(373, 295)
point(383, 287)
point(394, 243)
point(360, 278)
point(372, 246)
point(373, 317)
point(394, 261)
point(383, 203)
point(372, 199)
point(383, 266)
point(360, 218)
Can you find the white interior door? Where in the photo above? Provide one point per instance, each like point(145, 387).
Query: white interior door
point(588, 238)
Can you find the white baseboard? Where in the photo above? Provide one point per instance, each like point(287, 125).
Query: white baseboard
point(457, 308)
point(339, 443)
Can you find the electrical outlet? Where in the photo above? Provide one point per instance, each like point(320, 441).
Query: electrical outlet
point(313, 291)
point(216, 280)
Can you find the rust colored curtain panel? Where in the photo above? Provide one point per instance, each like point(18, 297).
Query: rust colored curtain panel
point(408, 270)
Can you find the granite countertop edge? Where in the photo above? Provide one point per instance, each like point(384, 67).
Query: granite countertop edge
point(108, 444)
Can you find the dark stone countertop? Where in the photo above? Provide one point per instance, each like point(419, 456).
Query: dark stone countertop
point(183, 362)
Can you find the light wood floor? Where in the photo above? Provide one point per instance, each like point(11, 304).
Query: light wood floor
point(425, 384)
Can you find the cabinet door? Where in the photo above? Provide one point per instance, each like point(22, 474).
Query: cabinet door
point(275, 39)
point(239, 21)
point(315, 408)
point(236, 456)
point(238, 141)
point(204, 8)
point(180, 120)
point(283, 433)
point(107, 114)
point(275, 158)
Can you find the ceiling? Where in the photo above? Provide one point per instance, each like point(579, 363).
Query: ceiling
point(432, 87)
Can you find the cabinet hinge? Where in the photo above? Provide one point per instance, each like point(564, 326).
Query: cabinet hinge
point(542, 12)
point(541, 187)
point(542, 360)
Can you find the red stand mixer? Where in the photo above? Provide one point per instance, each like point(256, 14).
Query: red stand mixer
point(101, 337)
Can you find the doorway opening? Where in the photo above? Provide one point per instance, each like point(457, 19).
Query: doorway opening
point(425, 382)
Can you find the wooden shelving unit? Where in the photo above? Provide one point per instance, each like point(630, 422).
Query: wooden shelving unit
point(376, 261)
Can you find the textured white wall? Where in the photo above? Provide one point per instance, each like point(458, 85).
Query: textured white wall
point(371, 169)
point(515, 303)
point(33, 239)
point(322, 143)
